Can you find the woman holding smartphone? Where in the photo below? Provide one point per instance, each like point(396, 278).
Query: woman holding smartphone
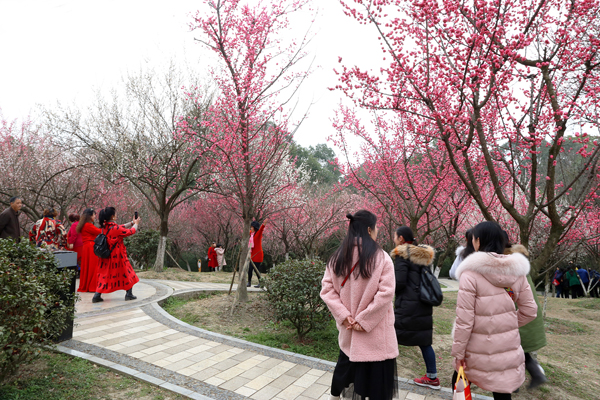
point(115, 273)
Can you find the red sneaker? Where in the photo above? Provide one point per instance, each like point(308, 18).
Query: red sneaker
point(426, 382)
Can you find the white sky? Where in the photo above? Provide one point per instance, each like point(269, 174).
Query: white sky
point(63, 50)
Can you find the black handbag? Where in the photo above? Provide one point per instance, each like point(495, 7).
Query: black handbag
point(430, 291)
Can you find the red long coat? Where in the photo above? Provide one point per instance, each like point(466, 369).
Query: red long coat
point(88, 275)
point(212, 258)
point(116, 273)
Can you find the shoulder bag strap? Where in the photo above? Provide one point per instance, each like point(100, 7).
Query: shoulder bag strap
point(349, 273)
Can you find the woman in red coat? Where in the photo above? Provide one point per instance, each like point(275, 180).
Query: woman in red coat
point(115, 273)
point(88, 275)
point(212, 257)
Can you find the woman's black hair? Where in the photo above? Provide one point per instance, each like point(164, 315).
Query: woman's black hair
point(507, 243)
point(50, 212)
point(255, 225)
point(407, 234)
point(105, 215)
point(491, 237)
point(358, 233)
point(85, 217)
point(469, 247)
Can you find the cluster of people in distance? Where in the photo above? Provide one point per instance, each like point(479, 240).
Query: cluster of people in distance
point(498, 321)
point(576, 281)
point(98, 275)
point(215, 258)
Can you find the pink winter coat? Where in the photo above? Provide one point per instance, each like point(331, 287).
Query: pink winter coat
point(369, 302)
point(486, 332)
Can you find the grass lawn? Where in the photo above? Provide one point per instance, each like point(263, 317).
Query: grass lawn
point(57, 376)
point(571, 359)
point(176, 274)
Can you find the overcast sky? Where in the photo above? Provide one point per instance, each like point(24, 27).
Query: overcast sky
point(63, 50)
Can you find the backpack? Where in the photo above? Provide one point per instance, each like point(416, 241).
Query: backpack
point(430, 291)
point(101, 248)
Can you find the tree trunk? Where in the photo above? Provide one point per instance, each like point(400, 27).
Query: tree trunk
point(243, 265)
point(159, 264)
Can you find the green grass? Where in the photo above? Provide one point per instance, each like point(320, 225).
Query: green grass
point(590, 304)
point(56, 376)
point(564, 327)
point(442, 326)
point(173, 306)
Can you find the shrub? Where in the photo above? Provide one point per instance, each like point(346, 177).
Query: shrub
point(143, 245)
point(31, 309)
point(293, 289)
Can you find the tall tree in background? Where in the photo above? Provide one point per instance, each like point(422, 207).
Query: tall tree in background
point(134, 137)
point(248, 135)
point(493, 82)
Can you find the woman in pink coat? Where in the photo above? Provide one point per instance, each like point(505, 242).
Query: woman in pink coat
point(486, 333)
point(358, 287)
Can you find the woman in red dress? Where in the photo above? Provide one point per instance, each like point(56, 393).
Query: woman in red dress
point(73, 238)
point(212, 257)
point(88, 275)
point(115, 273)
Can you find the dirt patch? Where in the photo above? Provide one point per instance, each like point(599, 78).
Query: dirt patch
point(176, 274)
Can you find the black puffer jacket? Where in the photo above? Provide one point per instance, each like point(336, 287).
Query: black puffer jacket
point(414, 320)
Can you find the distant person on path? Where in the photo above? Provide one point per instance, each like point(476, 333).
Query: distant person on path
point(461, 253)
point(48, 232)
point(486, 335)
point(558, 277)
point(115, 273)
point(256, 253)
point(74, 241)
point(585, 280)
point(573, 280)
point(9, 220)
point(533, 334)
point(220, 257)
point(413, 318)
point(88, 274)
point(358, 288)
point(594, 282)
point(212, 257)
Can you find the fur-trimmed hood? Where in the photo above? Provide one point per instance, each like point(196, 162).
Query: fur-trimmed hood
point(498, 269)
point(517, 248)
point(420, 255)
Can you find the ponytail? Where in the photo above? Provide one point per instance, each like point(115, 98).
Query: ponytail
point(105, 215)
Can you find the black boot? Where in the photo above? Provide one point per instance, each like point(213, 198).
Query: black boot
point(129, 295)
point(538, 377)
point(97, 298)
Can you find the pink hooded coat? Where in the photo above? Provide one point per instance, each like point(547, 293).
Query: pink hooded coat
point(369, 302)
point(486, 332)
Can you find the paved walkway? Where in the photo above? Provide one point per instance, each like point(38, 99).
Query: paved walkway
point(140, 339)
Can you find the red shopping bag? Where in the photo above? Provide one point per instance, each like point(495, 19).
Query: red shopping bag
point(462, 388)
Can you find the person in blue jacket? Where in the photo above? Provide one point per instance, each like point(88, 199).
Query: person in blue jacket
point(585, 280)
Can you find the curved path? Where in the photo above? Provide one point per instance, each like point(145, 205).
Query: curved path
point(140, 339)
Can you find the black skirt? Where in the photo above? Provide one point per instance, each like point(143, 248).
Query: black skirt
point(376, 380)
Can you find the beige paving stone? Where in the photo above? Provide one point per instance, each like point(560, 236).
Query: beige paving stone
point(198, 342)
point(248, 363)
point(199, 366)
point(291, 392)
point(187, 371)
point(178, 335)
point(200, 356)
point(297, 371)
point(200, 349)
point(414, 396)
point(259, 382)
point(155, 342)
point(277, 371)
point(136, 341)
point(222, 356)
point(235, 350)
point(244, 355)
point(110, 342)
point(116, 347)
point(230, 373)
point(160, 328)
point(270, 363)
point(266, 393)
point(260, 357)
point(134, 349)
point(433, 398)
point(315, 391)
point(94, 340)
point(178, 357)
point(161, 363)
point(316, 372)
point(214, 381)
point(154, 357)
point(325, 379)
point(220, 348)
point(326, 397)
point(283, 381)
point(225, 364)
point(138, 354)
point(205, 373)
point(179, 365)
point(306, 380)
point(253, 373)
point(402, 394)
point(210, 343)
point(245, 391)
point(234, 384)
point(154, 349)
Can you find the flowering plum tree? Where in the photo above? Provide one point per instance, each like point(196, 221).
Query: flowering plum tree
point(495, 82)
point(247, 133)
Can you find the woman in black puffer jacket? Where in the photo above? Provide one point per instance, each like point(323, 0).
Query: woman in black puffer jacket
point(414, 319)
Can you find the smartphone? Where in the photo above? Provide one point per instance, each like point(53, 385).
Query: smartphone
point(135, 215)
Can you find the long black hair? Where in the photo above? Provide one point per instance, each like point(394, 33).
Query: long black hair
point(86, 217)
point(469, 247)
point(105, 215)
point(491, 237)
point(358, 233)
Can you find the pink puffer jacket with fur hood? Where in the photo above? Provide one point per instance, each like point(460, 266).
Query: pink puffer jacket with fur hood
point(486, 332)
